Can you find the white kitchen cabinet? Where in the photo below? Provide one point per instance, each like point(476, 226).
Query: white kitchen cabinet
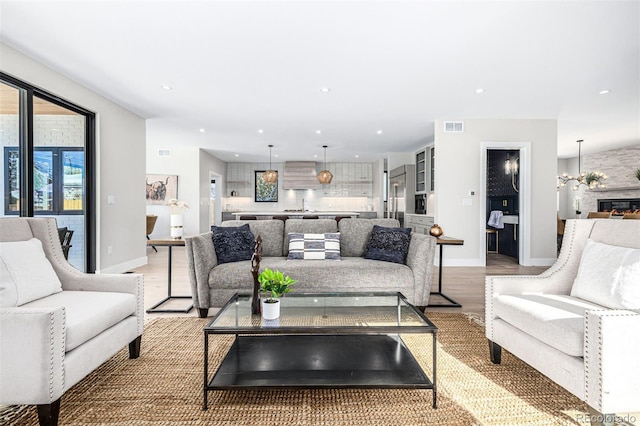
point(419, 223)
point(239, 178)
point(350, 180)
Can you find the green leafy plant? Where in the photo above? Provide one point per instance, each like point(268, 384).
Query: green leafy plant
point(638, 173)
point(275, 283)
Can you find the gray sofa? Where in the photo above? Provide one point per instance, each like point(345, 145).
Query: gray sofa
point(212, 284)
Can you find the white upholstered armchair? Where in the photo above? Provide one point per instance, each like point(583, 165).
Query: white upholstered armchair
point(57, 324)
point(578, 322)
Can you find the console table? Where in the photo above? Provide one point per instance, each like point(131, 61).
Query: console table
point(169, 243)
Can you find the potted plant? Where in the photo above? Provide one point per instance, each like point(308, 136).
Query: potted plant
point(638, 173)
point(275, 284)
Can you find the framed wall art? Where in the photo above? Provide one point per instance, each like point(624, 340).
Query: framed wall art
point(161, 188)
point(265, 192)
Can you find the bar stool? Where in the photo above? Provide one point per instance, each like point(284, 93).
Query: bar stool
point(493, 231)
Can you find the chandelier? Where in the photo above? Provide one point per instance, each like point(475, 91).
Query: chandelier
point(325, 176)
point(592, 180)
point(270, 176)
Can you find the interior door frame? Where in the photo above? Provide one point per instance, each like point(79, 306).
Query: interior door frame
point(524, 198)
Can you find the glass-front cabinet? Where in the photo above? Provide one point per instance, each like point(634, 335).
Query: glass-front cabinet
point(421, 171)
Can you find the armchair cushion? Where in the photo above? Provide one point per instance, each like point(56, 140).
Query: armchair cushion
point(88, 313)
point(554, 319)
point(609, 275)
point(25, 274)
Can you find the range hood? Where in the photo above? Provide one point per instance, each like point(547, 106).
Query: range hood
point(300, 175)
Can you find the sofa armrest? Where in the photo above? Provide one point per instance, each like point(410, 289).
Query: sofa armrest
point(611, 361)
point(201, 259)
point(32, 348)
point(422, 249)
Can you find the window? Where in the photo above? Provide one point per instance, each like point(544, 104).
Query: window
point(58, 186)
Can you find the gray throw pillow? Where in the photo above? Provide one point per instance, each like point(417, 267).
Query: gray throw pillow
point(388, 244)
point(233, 244)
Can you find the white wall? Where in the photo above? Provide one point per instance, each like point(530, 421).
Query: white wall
point(120, 140)
point(192, 165)
point(458, 171)
point(208, 165)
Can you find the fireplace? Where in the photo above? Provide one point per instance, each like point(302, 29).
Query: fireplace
point(619, 206)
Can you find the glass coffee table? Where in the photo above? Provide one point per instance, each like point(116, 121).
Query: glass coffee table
point(327, 340)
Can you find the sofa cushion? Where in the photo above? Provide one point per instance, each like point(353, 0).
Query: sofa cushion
point(352, 273)
point(306, 226)
point(557, 320)
point(233, 244)
point(314, 246)
point(388, 244)
point(88, 313)
point(355, 234)
point(609, 275)
point(271, 232)
point(25, 274)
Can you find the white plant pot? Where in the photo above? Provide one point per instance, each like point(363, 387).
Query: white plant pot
point(176, 226)
point(270, 311)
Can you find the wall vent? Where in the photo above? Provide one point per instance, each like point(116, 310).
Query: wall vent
point(454, 126)
point(164, 153)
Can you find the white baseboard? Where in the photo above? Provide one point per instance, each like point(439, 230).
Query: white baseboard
point(124, 267)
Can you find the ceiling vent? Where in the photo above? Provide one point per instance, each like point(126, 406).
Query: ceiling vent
point(164, 153)
point(454, 126)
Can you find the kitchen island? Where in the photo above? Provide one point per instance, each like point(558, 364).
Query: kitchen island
point(296, 214)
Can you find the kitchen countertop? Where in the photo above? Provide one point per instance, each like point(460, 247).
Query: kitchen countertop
point(297, 213)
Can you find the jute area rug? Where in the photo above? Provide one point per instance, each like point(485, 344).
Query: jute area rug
point(164, 387)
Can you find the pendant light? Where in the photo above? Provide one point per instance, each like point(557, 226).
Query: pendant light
point(325, 176)
point(270, 176)
point(591, 180)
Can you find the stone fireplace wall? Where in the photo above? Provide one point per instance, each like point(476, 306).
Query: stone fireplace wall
point(620, 166)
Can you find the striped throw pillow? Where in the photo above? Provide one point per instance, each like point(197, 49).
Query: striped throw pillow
point(314, 246)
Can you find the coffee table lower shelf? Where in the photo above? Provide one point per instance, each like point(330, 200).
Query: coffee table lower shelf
point(319, 361)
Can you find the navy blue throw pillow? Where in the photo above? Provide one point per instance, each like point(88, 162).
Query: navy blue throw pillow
point(233, 244)
point(388, 244)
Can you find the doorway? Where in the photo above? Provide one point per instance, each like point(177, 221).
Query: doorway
point(505, 203)
point(49, 165)
point(215, 200)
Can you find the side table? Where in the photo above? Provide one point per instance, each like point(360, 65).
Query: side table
point(441, 242)
point(169, 243)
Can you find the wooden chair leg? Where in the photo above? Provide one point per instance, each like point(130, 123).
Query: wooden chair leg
point(134, 348)
point(203, 312)
point(48, 413)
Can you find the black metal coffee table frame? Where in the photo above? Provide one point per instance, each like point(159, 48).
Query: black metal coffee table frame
point(266, 355)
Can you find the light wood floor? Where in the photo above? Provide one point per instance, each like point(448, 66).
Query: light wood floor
point(463, 284)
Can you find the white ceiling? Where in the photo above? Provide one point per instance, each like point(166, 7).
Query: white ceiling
point(396, 66)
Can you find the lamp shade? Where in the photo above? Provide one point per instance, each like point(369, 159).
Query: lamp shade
point(270, 176)
point(325, 177)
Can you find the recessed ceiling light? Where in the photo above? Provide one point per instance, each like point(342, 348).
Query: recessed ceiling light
point(201, 130)
point(275, 155)
point(357, 156)
point(237, 155)
point(604, 92)
point(166, 87)
point(318, 131)
point(55, 130)
point(379, 132)
point(325, 90)
point(315, 155)
point(260, 131)
point(479, 90)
